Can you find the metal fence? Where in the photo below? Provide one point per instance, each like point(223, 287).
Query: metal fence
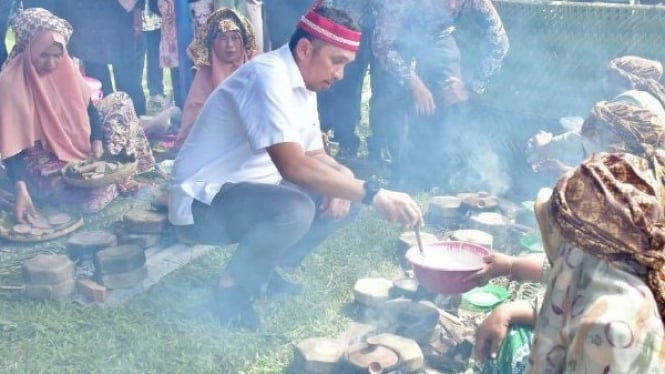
point(559, 51)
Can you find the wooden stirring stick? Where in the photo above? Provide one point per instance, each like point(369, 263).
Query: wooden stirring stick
point(418, 240)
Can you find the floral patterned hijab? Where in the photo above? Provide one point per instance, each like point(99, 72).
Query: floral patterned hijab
point(611, 207)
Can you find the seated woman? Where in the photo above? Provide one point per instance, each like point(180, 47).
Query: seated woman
point(629, 79)
point(225, 43)
point(504, 335)
point(47, 119)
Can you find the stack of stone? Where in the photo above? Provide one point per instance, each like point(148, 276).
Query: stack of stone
point(142, 227)
point(49, 276)
point(445, 212)
point(121, 266)
point(83, 247)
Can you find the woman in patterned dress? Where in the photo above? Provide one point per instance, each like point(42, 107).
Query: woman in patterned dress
point(47, 119)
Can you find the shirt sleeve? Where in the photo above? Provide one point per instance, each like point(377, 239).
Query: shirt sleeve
point(496, 42)
point(266, 108)
point(384, 39)
point(16, 167)
point(96, 131)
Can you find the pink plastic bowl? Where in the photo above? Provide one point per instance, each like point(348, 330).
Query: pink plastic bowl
point(444, 265)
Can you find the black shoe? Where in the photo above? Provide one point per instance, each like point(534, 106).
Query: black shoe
point(279, 285)
point(234, 309)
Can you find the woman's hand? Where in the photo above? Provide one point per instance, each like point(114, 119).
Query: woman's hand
point(491, 333)
point(23, 206)
point(498, 265)
point(97, 149)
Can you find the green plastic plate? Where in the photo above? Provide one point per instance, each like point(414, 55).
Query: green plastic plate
point(486, 296)
point(532, 243)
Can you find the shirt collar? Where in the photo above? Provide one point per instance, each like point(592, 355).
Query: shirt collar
point(295, 77)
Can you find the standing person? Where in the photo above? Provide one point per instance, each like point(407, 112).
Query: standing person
point(168, 47)
point(47, 119)
point(199, 12)
point(340, 106)
point(110, 32)
point(253, 10)
point(424, 34)
point(253, 169)
point(152, 28)
point(226, 42)
point(281, 17)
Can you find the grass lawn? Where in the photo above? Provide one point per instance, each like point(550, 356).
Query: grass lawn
point(169, 329)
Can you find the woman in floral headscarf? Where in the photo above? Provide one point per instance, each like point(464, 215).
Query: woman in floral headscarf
point(503, 340)
point(604, 310)
point(637, 80)
point(47, 118)
point(225, 43)
point(629, 79)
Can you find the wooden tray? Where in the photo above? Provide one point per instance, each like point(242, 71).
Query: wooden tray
point(7, 223)
point(73, 178)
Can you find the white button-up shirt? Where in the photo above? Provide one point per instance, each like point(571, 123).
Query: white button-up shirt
point(265, 102)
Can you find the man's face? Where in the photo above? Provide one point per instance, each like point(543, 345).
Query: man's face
point(228, 46)
point(322, 64)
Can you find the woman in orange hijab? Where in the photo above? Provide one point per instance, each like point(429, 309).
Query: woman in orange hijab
point(47, 118)
point(225, 43)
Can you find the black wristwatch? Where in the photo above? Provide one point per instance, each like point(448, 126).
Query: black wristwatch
point(371, 188)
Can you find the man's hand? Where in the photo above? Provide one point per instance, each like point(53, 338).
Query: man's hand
point(497, 264)
point(23, 206)
point(423, 100)
point(334, 208)
point(455, 92)
point(491, 333)
point(398, 207)
point(97, 149)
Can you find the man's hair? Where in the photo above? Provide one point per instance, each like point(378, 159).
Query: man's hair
point(336, 15)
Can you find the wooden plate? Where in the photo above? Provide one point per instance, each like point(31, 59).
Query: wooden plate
point(57, 227)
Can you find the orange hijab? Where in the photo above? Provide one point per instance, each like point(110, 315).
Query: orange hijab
point(50, 109)
point(210, 69)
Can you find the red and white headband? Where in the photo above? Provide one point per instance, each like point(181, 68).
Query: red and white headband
point(329, 31)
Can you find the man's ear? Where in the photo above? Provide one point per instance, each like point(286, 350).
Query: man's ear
point(304, 48)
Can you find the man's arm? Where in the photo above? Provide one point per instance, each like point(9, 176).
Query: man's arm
point(386, 30)
point(496, 41)
point(315, 171)
point(385, 34)
point(317, 176)
point(322, 156)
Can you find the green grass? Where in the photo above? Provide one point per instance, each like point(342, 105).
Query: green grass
point(170, 329)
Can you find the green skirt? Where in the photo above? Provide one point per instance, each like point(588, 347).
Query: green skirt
point(514, 352)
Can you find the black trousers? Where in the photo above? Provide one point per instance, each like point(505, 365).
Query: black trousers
point(275, 226)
